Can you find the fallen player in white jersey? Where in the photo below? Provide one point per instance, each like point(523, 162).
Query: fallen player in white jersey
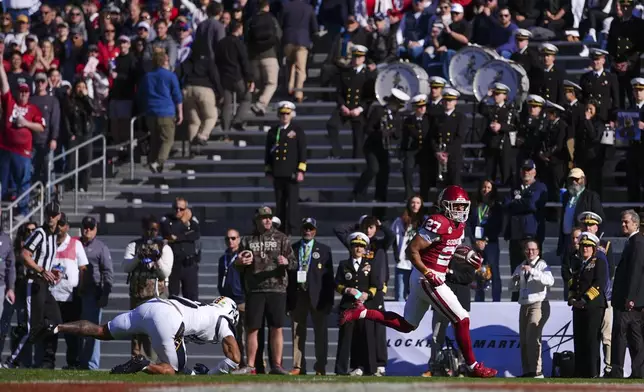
point(169, 323)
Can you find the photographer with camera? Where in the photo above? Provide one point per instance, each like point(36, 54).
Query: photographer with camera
point(181, 229)
point(148, 262)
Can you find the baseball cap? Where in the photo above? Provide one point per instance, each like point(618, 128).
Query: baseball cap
point(528, 164)
point(88, 222)
point(310, 222)
point(22, 18)
point(24, 87)
point(124, 38)
point(576, 173)
point(40, 76)
point(263, 212)
point(52, 209)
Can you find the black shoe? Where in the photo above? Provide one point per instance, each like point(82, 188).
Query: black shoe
point(134, 365)
point(200, 368)
point(46, 331)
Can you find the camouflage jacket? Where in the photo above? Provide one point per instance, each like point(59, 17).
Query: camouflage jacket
point(264, 274)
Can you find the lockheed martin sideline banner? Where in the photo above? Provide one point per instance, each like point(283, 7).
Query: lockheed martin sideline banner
point(495, 337)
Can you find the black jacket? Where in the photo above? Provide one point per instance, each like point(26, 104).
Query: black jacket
point(186, 245)
point(199, 71)
point(628, 275)
point(127, 75)
point(320, 286)
point(383, 126)
point(459, 277)
point(588, 201)
point(589, 282)
point(285, 151)
point(232, 62)
point(604, 90)
point(504, 115)
point(354, 87)
point(548, 84)
point(365, 279)
point(415, 134)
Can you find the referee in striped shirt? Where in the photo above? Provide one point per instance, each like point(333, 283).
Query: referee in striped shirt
point(38, 254)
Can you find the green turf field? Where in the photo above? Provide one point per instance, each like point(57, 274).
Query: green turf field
point(29, 375)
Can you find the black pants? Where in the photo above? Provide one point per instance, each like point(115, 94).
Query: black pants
point(184, 279)
point(595, 19)
point(426, 172)
point(287, 197)
point(356, 347)
point(70, 311)
point(625, 86)
point(333, 129)
point(586, 329)
point(516, 257)
point(85, 155)
point(635, 171)
point(627, 331)
point(503, 158)
point(378, 166)
point(39, 160)
point(593, 170)
point(41, 307)
point(259, 357)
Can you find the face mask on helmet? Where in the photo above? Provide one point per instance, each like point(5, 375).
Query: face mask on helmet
point(457, 211)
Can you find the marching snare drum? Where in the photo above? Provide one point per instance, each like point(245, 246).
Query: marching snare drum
point(408, 77)
point(465, 63)
point(502, 71)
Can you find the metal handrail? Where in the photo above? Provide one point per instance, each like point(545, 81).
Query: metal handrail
point(77, 169)
point(133, 144)
point(39, 208)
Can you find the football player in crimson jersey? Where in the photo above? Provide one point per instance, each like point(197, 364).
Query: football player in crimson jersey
point(430, 252)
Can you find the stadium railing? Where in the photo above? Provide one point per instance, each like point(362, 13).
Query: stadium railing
point(37, 209)
point(51, 181)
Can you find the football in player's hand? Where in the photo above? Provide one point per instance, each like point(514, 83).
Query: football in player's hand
point(461, 252)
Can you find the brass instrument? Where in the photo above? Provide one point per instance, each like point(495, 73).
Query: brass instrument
point(442, 166)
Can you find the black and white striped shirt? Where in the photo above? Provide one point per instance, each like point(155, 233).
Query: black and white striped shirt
point(42, 245)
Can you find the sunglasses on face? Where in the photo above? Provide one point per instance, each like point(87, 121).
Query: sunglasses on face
point(504, 15)
point(89, 227)
point(230, 238)
point(110, 31)
point(179, 208)
point(75, 14)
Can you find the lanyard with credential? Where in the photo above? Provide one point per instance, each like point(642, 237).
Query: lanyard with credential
point(305, 255)
point(227, 264)
point(277, 139)
point(482, 212)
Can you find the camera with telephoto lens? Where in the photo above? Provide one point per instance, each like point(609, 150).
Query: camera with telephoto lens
point(150, 252)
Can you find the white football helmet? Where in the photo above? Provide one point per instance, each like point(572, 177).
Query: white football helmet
point(229, 308)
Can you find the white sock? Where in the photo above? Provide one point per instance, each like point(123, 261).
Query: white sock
point(55, 330)
point(472, 366)
point(363, 314)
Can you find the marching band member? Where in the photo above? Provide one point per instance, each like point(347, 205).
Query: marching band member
point(588, 303)
point(436, 86)
point(548, 81)
point(500, 123)
point(601, 86)
point(352, 103)
point(589, 153)
point(575, 113)
point(635, 152)
point(552, 152)
point(625, 48)
point(414, 147)
point(530, 127)
point(383, 125)
point(447, 132)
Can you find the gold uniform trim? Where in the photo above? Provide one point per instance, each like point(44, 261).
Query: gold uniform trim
point(592, 293)
point(340, 289)
point(302, 166)
point(384, 288)
point(372, 290)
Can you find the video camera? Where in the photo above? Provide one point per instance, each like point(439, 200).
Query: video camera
point(150, 251)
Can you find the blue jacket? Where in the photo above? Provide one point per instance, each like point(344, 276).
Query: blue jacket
point(232, 287)
point(416, 29)
point(159, 93)
point(299, 23)
point(525, 211)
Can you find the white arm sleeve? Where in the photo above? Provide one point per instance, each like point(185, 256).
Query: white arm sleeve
point(129, 259)
point(223, 367)
point(164, 265)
